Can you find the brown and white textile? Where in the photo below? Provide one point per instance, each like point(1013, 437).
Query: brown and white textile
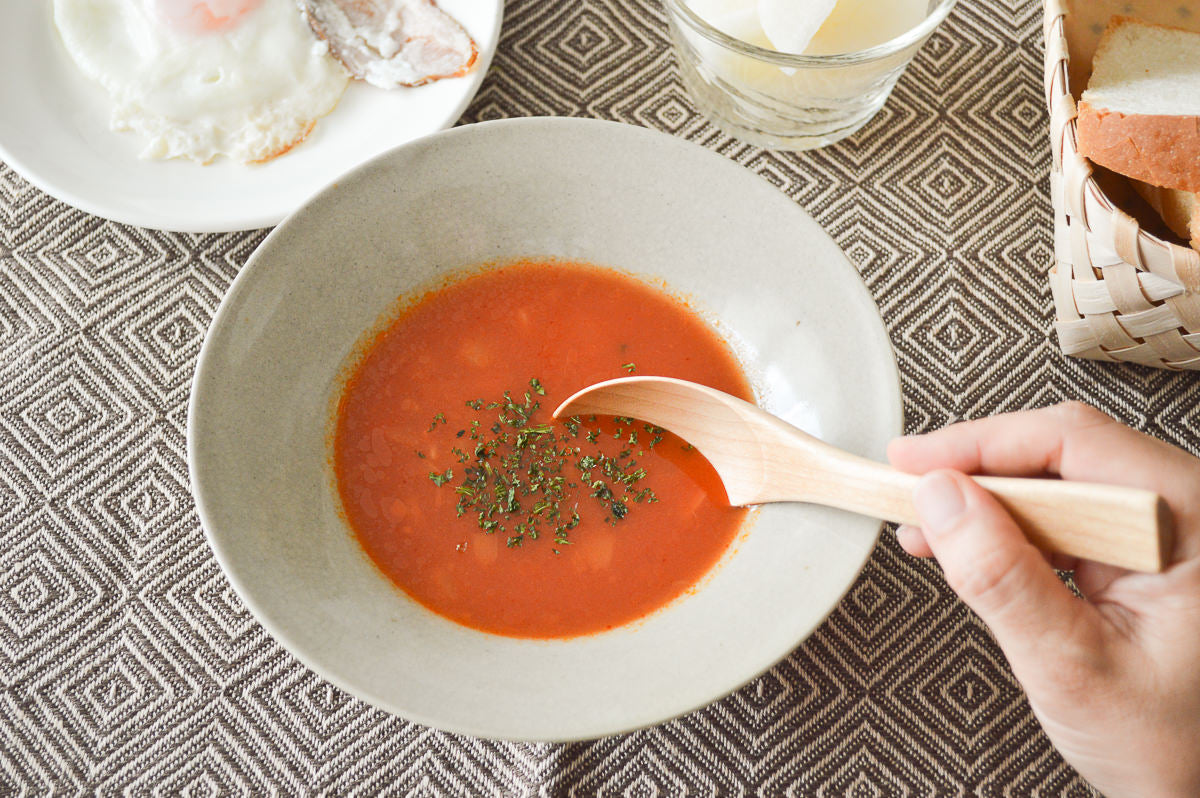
point(128, 664)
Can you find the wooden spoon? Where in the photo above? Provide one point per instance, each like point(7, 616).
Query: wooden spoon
point(762, 458)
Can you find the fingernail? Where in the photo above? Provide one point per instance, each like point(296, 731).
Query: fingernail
point(939, 502)
point(907, 535)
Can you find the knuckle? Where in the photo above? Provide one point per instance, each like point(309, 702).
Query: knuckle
point(1075, 413)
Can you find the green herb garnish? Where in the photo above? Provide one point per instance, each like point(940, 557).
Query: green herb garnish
point(515, 481)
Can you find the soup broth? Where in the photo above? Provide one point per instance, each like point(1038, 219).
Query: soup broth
point(424, 434)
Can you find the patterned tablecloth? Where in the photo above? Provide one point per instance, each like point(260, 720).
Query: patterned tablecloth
point(128, 663)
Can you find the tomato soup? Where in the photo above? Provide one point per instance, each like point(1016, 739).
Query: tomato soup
point(486, 510)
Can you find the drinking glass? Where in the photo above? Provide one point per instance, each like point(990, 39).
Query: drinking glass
point(786, 100)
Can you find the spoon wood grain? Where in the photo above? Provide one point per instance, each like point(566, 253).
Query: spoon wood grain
point(761, 458)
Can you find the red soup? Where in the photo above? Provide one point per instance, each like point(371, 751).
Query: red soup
point(483, 508)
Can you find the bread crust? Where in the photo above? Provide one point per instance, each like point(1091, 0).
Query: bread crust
point(1157, 149)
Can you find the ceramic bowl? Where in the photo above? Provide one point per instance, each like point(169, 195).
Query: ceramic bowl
point(614, 195)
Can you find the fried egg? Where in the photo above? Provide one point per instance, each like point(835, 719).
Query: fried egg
point(201, 78)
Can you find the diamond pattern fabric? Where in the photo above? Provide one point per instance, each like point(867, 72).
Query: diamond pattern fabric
point(128, 664)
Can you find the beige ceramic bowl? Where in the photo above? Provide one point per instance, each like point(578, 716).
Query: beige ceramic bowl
point(614, 195)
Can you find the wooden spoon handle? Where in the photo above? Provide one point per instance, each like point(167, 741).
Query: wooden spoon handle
point(1113, 524)
point(1122, 526)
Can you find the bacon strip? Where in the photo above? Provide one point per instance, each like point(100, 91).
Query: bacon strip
point(390, 43)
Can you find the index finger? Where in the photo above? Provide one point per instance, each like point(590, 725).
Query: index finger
point(1070, 440)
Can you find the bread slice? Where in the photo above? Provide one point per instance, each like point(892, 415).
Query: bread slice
point(1086, 20)
point(1179, 209)
point(1140, 114)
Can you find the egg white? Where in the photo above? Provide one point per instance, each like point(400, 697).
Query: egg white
point(249, 91)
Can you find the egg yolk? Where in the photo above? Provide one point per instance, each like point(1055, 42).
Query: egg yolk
point(204, 16)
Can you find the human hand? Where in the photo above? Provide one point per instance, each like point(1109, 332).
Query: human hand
point(1114, 680)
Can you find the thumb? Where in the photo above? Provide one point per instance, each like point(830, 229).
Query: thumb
point(994, 569)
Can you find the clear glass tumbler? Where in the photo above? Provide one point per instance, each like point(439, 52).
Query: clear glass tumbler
point(784, 100)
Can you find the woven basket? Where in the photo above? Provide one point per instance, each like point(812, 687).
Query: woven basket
point(1119, 292)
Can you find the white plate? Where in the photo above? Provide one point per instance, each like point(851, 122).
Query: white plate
point(597, 191)
point(54, 132)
